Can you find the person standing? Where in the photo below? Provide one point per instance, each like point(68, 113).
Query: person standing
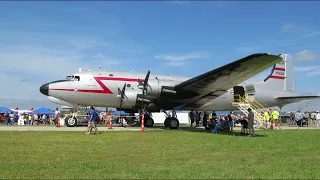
point(92, 123)
point(250, 122)
point(197, 118)
point(205, 119)
point(6, 118)
point(275, 117)
point(231, 124)
point(192, 115)
point(266, 118)
point(213, 122)
point(56, 113)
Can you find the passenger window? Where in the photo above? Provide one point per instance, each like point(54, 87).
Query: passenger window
point(128, 85)
point(110, 74)
point(77, 78)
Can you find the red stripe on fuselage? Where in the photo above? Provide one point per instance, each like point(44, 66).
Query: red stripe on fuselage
point(104, 90)
point(280, 69)
point(277, 77)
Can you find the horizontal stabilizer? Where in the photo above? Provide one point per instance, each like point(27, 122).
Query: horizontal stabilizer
point(292, 99)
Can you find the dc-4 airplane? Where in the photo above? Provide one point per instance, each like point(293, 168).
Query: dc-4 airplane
point(211, 91)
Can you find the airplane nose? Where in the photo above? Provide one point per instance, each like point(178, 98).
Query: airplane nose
point(44, 89)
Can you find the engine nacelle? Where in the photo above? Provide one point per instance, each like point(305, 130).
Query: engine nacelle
point(154, 87)
point(130, 99)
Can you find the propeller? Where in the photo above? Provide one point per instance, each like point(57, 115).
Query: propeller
point(143, 86)
point(122, 94)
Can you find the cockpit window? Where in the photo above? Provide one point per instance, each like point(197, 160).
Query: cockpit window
point(77, 78)
point(69, 78)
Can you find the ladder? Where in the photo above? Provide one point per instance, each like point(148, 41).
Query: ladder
point(243, 104)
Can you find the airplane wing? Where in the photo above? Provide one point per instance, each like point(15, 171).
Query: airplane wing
point(293, 99)
point(196, 91)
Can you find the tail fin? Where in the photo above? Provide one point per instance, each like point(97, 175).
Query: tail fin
point(282, 75)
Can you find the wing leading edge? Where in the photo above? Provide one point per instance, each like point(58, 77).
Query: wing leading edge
point(216, 82)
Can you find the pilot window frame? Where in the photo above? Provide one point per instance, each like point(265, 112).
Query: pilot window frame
point(76, 78)
point(69, 78)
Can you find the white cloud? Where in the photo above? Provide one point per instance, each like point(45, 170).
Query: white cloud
point(293, 40)
point(29, 64)
point(314, 73)
point(288, 27)
point(305, 55)
point(179, 60)
point(183, 57)
point(306, 68)
point(175, 63)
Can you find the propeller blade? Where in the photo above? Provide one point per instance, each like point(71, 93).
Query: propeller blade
point(146, 79)
point(123, 90)
point(119, 91)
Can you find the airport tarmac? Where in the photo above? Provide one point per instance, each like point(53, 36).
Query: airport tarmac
point(105, 128)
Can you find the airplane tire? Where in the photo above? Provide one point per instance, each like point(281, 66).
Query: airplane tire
point(149, 122)
point(71, 121)
point(166, 122)
point(173, 123)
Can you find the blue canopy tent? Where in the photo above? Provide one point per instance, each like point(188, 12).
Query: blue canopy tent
point(119, 113)
point(4, 110)
point(42, 111)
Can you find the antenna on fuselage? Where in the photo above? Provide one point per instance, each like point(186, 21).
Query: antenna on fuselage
point(80, 69)
point(132, 70)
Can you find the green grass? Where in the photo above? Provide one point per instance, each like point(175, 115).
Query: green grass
point(291, 154)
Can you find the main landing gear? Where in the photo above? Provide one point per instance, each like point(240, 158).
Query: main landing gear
point(171, 121)
point(148, 121)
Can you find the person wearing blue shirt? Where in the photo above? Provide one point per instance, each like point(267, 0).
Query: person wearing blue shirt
point(92, 123)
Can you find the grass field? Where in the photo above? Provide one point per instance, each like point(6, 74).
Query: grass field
point(286, 154)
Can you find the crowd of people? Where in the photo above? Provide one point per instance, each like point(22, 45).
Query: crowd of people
point(303, 118)
point(11, 118)
point(224, 123)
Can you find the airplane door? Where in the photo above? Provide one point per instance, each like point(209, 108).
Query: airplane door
point(238, 91)
point(250, 92)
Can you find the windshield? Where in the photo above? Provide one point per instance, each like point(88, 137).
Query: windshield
point(69, 77)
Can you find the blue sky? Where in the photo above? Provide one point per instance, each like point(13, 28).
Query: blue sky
point(43, 41)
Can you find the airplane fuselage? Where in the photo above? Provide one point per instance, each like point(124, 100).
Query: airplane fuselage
point(100, 89)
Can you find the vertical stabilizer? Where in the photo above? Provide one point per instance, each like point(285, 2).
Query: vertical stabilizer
point(282, 75)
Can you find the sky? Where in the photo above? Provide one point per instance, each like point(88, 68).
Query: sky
point(45, 41)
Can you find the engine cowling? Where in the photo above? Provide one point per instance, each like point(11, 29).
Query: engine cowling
point(154, 87)
point(130, 99)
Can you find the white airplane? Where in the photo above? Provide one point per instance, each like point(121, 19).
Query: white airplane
point(211, 91)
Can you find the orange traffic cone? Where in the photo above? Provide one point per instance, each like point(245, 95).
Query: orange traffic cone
point(110, 127)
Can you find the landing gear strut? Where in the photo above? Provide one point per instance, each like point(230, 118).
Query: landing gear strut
point(171, 121)
point(148, 121)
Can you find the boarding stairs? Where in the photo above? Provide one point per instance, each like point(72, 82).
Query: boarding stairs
point(243, 104)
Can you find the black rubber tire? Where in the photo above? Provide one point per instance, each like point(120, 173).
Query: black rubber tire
point(173, 123)
point(67, 122)
point(149, 122)
point(166, 122)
